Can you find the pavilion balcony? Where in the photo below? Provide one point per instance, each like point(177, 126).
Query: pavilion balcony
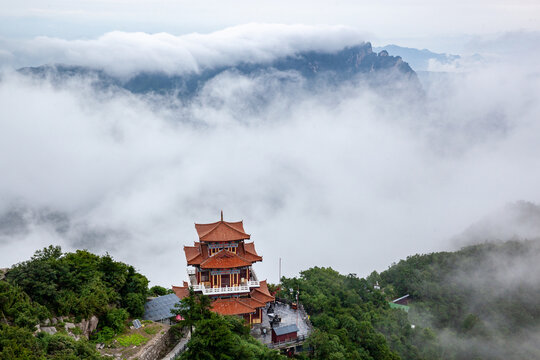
point(253, 283)
point(244, 288)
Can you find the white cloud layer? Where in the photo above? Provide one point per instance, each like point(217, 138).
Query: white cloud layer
point(347, 177)
point(122, 53)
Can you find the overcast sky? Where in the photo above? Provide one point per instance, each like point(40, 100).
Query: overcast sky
point(437, 24)
point(341, 177)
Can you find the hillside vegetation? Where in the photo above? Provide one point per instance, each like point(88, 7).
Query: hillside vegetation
point(352, 321)
point(76, 285)
point(80, 283)
point(482, 301)
point(477, 303)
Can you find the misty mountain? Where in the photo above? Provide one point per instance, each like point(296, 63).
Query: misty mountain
point(519, 220)
point(418, 59)
point(19, 221)
point(358, 62)
point(480, 301)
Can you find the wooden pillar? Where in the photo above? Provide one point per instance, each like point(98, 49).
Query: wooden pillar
point(247, 274)
point(219, 280)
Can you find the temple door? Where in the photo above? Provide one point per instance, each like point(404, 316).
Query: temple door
point(225, 280)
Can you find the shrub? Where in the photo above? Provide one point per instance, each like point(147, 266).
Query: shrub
point(105, 335)
point(159, 291)
point(134, 303)
point(116, 320)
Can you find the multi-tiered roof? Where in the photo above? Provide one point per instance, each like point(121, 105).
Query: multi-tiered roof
point(222, 263)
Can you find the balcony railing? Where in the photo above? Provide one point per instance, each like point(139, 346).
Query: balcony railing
point(227, 289)
point(221, 290)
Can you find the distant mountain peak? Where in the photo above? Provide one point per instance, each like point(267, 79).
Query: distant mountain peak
point(335, 67)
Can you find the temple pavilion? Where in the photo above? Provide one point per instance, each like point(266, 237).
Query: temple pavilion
point(221, 267)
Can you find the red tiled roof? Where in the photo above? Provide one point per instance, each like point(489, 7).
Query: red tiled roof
point(181, 291)
point(221, 231)
point(231, 307)
point(196, 255)
point(202, 253)
point(250, 248)
point(261, 293)
point(247, 250)
point(264, 288)
point(224, 260)
point(260, 296)
point(191, 252)
point(251, 302)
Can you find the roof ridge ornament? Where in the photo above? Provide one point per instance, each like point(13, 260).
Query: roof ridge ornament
point(221, 215)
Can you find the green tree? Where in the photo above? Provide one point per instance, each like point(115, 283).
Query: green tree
point(80, 283)
point(212, 340)
point(159, 291)
point(116, 319)
point(219, 337)
point(18, 343)
point(193, 308)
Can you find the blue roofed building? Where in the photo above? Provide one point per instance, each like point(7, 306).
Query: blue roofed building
point(159, 309)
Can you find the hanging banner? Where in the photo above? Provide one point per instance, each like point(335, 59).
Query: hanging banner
point(222, 245)
point(224, 272)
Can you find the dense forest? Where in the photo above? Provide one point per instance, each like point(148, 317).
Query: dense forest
point(78, 285)
point(354, 321)
point(480, 302)
point(477, 303)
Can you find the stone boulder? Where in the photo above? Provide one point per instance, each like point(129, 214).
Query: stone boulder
point(88, 326)
point(51, 330)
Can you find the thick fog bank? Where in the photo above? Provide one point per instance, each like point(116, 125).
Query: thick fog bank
point(345, 177)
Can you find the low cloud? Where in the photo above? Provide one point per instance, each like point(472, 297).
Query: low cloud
point(520, 220)
point(497, 287)
point(124, 54)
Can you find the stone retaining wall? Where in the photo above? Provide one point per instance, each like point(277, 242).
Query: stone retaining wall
point(178, 348)
point(155, 348)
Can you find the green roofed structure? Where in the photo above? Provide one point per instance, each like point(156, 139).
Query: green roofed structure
point(398, 306)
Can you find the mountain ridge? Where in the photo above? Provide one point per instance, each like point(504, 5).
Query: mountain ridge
point(336, 67)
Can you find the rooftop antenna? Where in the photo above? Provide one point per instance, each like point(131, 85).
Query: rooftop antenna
point(221, 215)
point(297, 305)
